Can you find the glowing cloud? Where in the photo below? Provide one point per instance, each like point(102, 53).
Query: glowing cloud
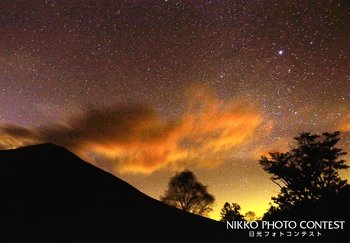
point(134, 138)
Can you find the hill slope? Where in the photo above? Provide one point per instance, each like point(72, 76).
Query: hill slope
point(49, 194)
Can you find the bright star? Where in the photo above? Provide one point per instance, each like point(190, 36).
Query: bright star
point(281, 52)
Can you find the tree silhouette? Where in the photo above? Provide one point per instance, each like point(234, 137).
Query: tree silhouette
point(230, 212)
point(308, 171)
point(187, 193)
point(250, 216)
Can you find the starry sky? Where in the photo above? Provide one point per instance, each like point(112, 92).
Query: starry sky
point(143, 89)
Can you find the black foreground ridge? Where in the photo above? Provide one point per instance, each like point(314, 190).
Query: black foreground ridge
point(48, 194)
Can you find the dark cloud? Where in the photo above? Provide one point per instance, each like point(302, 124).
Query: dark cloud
point(103, 126)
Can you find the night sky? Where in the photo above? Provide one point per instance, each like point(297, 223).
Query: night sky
point(143, 89)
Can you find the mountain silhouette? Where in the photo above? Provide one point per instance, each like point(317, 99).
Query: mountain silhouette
point(49, 194)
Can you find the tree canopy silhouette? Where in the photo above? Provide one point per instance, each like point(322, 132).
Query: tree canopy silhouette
point(187, 193)
point(308, 171)
point(250, 216)
point(230, 212)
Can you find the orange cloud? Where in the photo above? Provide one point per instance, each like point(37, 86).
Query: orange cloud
point(12, 136)
point(135, 139)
